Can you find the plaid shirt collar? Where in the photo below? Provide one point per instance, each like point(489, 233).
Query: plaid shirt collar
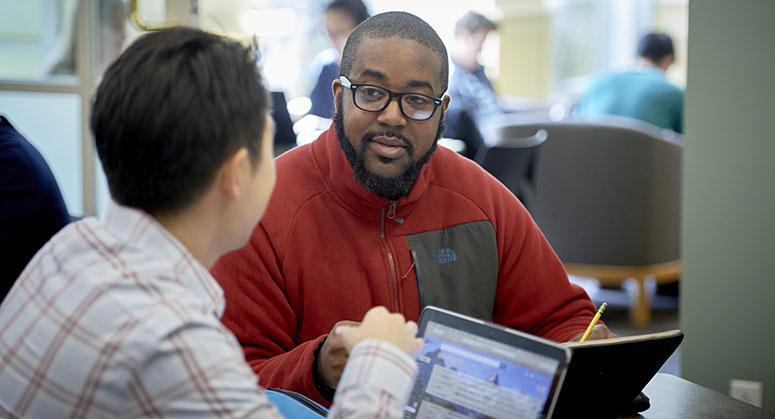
point(138, 228)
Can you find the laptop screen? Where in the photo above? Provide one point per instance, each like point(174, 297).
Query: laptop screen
point(465, 375)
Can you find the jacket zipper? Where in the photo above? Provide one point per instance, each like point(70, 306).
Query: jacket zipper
point(392, 213)
point(391, 261)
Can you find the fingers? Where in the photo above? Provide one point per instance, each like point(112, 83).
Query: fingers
point(418, 344)
point(346, 323)
point(339, 331)
point(601, 331)
point(382, 313)
point(412, 327)
point(335, 336)
point(347, 334)
point(379, 323)
point(377, 311)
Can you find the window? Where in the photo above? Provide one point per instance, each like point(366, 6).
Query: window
point(591, 36)
point(52, 53)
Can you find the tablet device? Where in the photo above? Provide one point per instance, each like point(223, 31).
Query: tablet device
point(469, 368)
point(606, 376)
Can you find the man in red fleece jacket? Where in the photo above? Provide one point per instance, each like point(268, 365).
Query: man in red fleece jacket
point(372, 213)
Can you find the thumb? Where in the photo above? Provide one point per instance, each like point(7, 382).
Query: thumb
point(348, 334)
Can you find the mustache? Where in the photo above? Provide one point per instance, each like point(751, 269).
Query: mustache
point(369, 136)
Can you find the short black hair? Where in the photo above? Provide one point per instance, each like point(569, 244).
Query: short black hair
point(170, 110)
point(655, 46)
point(472, 22)
point(400, 25)
point(355, 9)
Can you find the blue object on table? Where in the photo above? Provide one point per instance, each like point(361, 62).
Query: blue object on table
point(295, 405)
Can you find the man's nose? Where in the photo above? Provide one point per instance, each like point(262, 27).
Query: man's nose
point(392, 115)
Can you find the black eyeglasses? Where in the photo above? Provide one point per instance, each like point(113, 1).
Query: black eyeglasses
point(372, 98)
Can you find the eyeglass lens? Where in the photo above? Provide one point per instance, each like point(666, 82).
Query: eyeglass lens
point(414, 106)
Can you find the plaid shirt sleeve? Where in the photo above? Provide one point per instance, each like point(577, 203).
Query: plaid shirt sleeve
point(375, 383)
point(199, 371)
point(196, 370)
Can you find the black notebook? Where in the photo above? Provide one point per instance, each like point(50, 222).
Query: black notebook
point(605, 377)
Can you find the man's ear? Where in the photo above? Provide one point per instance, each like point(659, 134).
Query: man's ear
point(337, 89)
point(446, 99)
point(666, 62)
point(232, 173)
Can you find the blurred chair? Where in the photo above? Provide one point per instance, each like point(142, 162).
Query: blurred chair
point(459, 125)
point(513, 160)
point(608, 199)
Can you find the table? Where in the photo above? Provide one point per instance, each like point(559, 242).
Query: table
point(674, 397)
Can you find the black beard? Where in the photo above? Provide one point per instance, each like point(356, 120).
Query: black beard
point(391, 188)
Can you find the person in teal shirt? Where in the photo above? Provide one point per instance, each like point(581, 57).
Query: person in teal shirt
point(644, 93)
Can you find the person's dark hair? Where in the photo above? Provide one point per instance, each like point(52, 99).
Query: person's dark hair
point(473, 22)
point(355, 9)
point(655, 46)
point(170, 110)
point(396, 24)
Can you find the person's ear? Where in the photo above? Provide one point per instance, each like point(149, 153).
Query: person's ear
point(232, 173)
point(337, 89)
point(445, 102)
point(666, 61)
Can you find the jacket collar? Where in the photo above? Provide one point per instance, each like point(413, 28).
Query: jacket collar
point(340, 178)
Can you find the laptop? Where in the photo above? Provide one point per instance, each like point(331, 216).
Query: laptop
point(469, 368)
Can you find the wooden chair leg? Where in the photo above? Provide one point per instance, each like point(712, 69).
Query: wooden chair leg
point(640, 307)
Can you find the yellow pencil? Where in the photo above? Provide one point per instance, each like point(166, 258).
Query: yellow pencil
point(593, 322)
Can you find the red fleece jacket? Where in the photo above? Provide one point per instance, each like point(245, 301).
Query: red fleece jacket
point(328, 250)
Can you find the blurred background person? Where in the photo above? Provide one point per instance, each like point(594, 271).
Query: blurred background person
point(474, 100)
point(341, 17)
point(643, 93)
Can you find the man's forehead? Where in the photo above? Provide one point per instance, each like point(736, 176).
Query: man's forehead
point(397, 60)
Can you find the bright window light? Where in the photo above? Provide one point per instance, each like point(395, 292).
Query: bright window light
point(299, 106)
point(270, 23)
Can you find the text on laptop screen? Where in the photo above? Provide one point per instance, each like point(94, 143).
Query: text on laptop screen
point(462, 375)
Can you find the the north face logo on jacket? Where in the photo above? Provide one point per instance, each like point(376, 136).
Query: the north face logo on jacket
point(445, 255)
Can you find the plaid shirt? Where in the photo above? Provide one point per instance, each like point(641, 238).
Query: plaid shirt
point(115, 317)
